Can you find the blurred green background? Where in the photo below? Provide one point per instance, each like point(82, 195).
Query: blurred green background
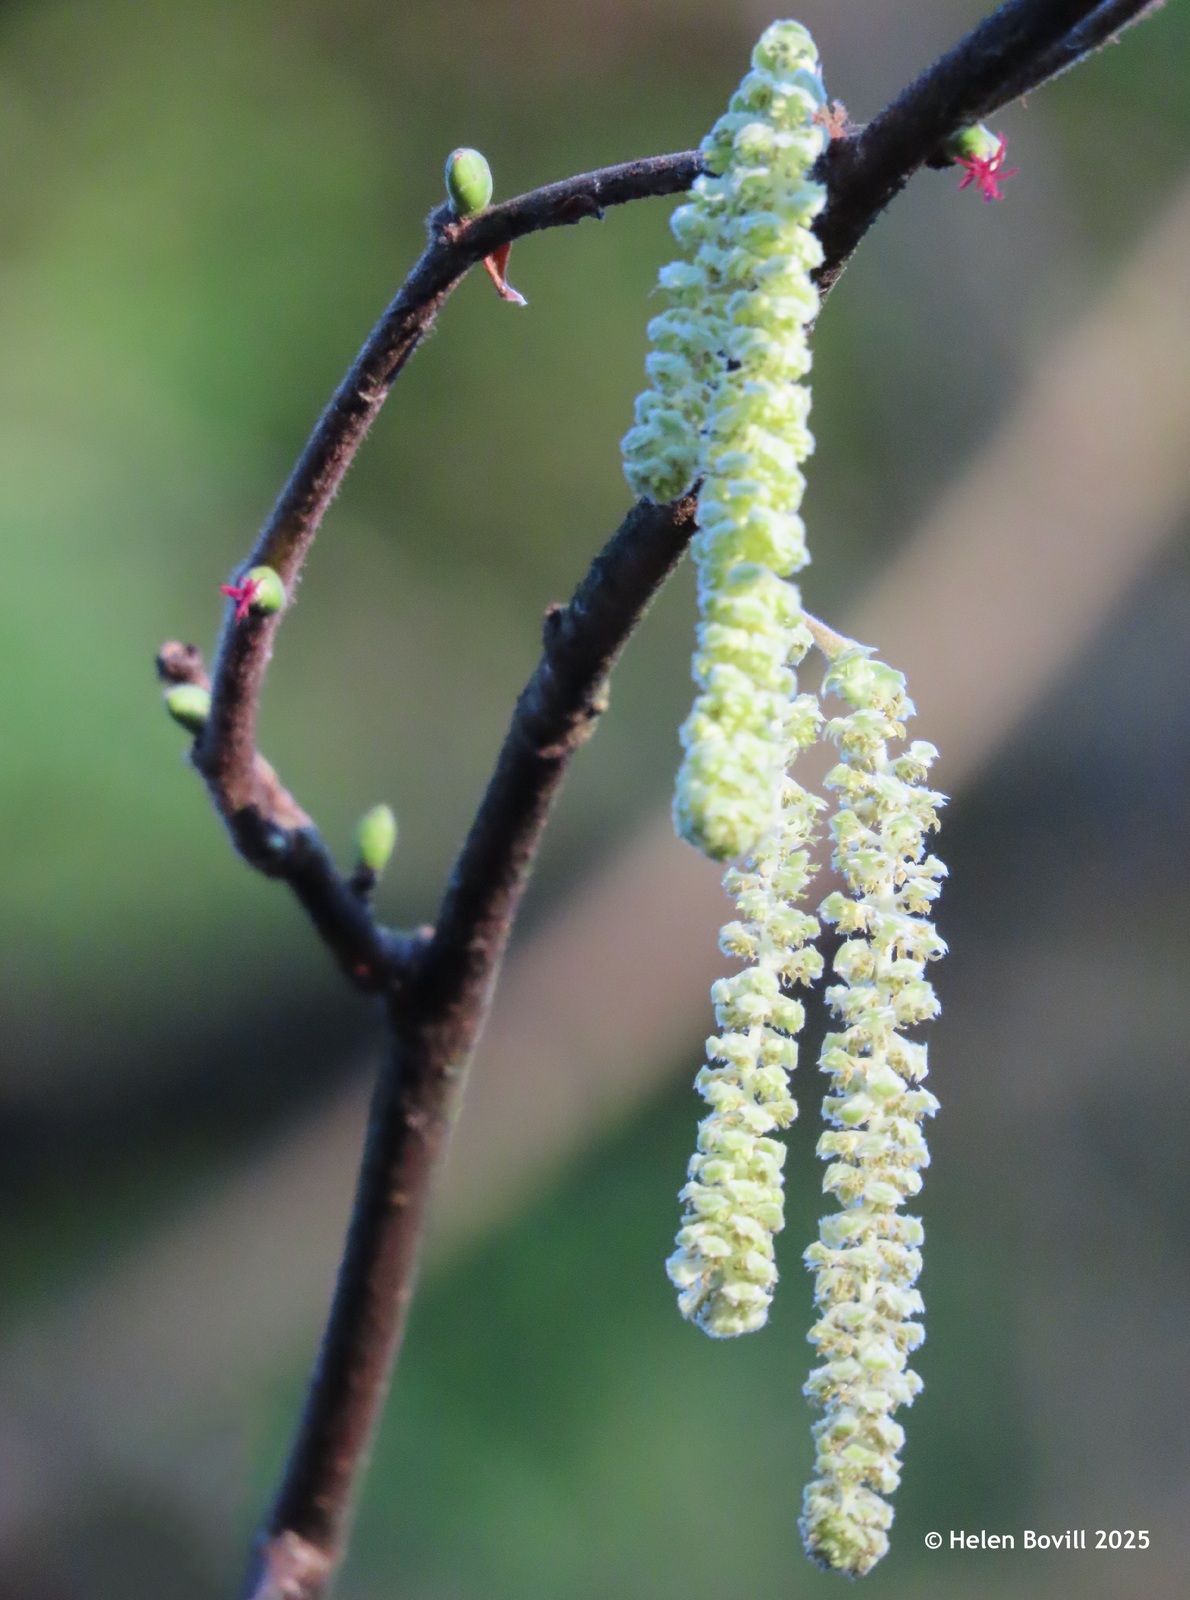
point(203, 208)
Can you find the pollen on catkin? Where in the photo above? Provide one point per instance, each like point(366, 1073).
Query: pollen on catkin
point(723, 1266)
point(727, 411)
point(728, 407)
point(867, 1258)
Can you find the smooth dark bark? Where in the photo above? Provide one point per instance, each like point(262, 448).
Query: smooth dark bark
point(436, 1022)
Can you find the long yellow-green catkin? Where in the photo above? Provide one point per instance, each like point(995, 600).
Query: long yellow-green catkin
point(867, 1258)
point(723, 1266)
point(728, 409)
point(728, 405)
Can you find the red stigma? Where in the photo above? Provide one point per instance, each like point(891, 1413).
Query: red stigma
point(986, 172)
point(243, 594)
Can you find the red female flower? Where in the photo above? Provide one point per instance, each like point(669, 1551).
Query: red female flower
point(986, 172)
point(242, 593)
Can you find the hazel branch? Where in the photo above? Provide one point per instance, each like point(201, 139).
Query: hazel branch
point(866, 170)
point(225, 752)
point(438, 986)
point(267, 826)
point(280, 840)
point(1103, 27)
point(435, 1023)
point(863, 171)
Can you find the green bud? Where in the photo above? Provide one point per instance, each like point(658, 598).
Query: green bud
point(189, 706)
point(268, 595)
point(975, 142)
point(468, 182)
point(375, 837)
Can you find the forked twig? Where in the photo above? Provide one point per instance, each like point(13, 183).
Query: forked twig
point(438, 983)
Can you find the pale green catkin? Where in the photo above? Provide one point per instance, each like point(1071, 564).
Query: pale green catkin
point(723, 1266)
point(728, 406)
point(728, 409)
point(867, 1257)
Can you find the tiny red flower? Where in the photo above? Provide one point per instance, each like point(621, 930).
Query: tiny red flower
point(243, 594)
point(987, 172)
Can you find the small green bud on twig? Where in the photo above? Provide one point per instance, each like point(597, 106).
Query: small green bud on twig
point(189, 706)
point(268, 595)
point(469, 185)
point(975, 142)
point(375, 838)
point(468, 182)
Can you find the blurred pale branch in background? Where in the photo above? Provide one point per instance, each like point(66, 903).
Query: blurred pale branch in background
point(1050, 527)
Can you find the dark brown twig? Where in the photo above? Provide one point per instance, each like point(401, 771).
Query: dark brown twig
point(863, 171)
point(1103, 27)
point(438, 985)
point(226, 751)
point(268, 827)
point(867, 170)
point(280, 840)
point(435, 1024)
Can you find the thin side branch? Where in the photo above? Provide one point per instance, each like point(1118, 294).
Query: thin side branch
point(267, 826)
point(866, 171)
point(1103, 27)
point(226, 751)
point(281, 841)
